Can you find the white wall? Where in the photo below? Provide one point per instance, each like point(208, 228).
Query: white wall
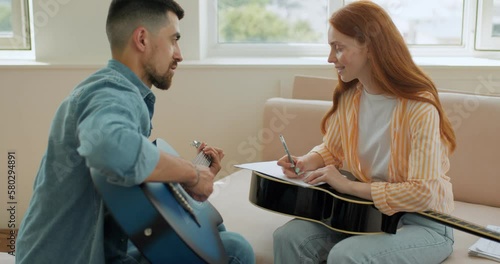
point(70, 31)
point(217, 101)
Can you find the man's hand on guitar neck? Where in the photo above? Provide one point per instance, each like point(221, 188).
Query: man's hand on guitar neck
point(197, 179)
point(202, 187)
point(215, 155)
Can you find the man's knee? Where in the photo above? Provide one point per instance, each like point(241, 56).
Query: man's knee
point(237, 247)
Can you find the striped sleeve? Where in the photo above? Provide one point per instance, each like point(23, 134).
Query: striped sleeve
point(424, 186)
point(331, 149)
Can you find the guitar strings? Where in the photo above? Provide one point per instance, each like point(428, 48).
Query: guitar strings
point(200, 159)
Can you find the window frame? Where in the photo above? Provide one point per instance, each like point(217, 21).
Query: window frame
point(484, 27)
point(23, 28)
point(214, 49)
point(21, 39)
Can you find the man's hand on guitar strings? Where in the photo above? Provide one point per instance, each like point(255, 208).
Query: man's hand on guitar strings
point(204, 186)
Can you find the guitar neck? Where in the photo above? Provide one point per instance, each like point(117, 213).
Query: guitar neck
point(202, 159)
point(462, 225)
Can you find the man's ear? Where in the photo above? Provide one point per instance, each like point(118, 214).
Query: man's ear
point(140, 38)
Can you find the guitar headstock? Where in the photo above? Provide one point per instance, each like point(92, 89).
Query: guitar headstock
point(196, 143)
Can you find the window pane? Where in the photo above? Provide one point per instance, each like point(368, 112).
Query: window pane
point(496, 18)
point(14, 25)
point(427, 22)
point(5, 18)
point(272, 21)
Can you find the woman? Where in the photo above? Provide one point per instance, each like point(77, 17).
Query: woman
point(386, 127)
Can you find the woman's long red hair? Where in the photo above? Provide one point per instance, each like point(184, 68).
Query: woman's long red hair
point(393, 69)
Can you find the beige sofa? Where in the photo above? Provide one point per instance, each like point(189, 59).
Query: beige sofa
point(475, 166)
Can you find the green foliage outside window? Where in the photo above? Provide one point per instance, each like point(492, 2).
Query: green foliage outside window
point(248, 21)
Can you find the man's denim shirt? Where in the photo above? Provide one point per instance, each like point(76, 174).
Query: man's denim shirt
point(103, 127)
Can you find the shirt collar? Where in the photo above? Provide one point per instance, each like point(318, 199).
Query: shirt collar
point(132, 77)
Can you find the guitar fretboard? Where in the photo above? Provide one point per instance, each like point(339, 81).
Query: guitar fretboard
point(201, 158)
point(463, 225)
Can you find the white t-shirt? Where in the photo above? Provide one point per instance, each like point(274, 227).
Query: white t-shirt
point(374, 136)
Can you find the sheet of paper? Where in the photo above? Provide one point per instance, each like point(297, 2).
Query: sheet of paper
point(271, 168)
point(487, 248)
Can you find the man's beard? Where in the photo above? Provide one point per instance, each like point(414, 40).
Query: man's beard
point(160, 81)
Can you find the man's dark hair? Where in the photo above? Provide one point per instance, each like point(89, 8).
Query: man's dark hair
point(124, 16)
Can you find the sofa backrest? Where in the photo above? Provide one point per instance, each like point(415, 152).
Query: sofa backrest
point(299, 122)
point(313, 88)
point(475, 165)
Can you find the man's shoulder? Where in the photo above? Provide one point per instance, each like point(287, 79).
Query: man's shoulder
point(105, 82)
point(106, 78)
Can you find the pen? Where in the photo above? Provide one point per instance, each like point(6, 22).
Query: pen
point(288, 154)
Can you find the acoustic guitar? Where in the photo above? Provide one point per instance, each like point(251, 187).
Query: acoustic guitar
point(163, 221)
point(340, 212)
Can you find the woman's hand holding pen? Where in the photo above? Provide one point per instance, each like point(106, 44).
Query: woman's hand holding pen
point(302, 166)
point(296, 167)
point(293, 170)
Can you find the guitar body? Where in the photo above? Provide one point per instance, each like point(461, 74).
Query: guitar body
point(321, 204)
point(340, 212)
point(159, 226)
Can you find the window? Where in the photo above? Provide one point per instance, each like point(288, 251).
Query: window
point(260, 21)
point(488, 25)
point(14, 25)
point(299, 28)
point(270, 27)
point(427, 22)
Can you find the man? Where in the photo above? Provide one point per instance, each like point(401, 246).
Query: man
point(102, 128)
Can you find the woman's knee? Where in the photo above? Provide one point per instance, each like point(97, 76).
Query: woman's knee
point(285, 232)
point(338, 254)
point(282, 234)
point(297, 229)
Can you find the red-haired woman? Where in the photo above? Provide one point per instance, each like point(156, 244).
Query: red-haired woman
point(386, 127)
